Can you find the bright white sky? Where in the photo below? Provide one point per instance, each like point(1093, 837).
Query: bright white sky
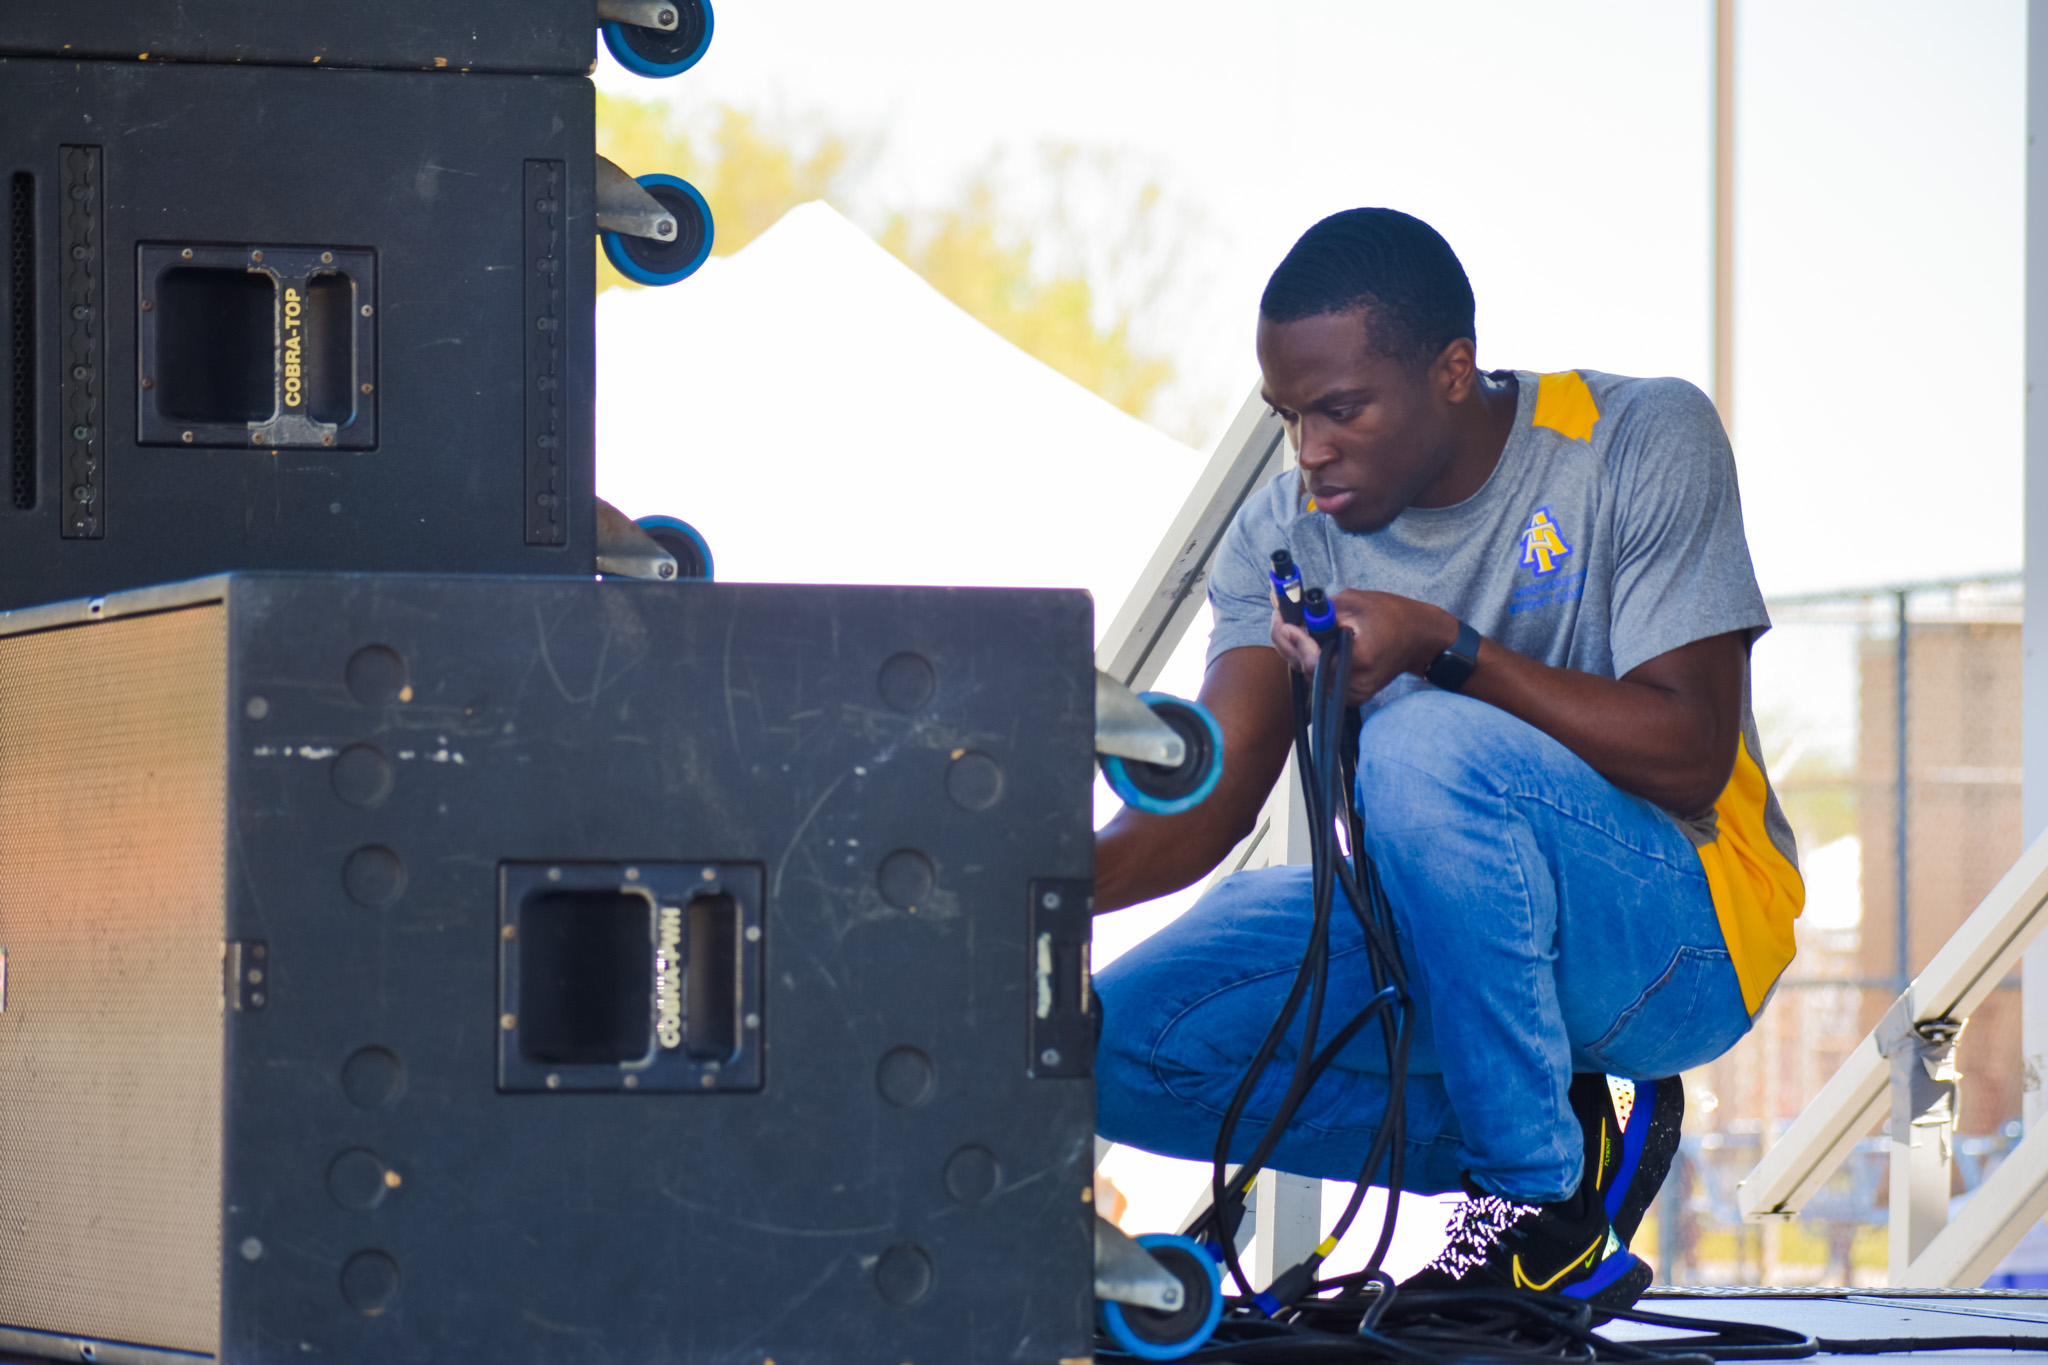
point(1564, 151)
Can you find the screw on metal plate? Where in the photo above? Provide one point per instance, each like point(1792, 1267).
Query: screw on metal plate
point(240, 975)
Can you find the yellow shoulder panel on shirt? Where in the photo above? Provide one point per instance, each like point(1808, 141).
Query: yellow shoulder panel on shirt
point(1565, 405)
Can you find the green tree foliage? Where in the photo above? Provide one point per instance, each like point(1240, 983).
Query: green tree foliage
point(1021, 270)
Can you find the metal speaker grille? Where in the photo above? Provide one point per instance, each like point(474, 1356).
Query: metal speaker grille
point(113, 788)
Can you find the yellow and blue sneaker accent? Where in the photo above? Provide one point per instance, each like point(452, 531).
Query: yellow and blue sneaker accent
point(1632, 1131)
point(1567, 1248)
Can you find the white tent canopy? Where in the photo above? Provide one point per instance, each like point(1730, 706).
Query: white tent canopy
point(823, 415)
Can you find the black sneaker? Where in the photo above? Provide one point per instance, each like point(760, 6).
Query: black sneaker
point(1565, 1248)
point(1631, 1130)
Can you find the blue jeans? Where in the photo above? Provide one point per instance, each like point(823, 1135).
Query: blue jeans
point(1550, 923)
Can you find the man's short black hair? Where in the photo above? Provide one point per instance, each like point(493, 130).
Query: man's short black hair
point(1391, 262)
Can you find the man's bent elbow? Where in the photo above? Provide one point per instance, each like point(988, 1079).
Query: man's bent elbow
point(1695, 793)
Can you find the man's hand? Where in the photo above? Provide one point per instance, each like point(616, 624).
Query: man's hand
point(1666, 732)
point(1390, 635)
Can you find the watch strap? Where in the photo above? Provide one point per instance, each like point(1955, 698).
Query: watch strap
point(1450, 669)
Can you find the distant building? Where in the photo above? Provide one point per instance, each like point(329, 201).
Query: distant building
point(1961, 832)
point(1962, 825)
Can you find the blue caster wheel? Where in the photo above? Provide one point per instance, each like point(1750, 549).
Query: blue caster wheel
point(679, 538)
point(1152, 1335)
point(1168, 791)
point(657, 52)
point(646, 261)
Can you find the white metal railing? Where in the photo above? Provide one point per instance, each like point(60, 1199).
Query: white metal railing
point(1908, 1062)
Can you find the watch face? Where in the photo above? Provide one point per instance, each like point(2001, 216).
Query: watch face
point(1452, 667)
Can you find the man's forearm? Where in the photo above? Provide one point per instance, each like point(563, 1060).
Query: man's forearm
point(1668, 744)
point(1667, 732)
point(1140, 857)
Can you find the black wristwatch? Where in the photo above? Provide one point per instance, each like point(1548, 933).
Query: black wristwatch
point(1450, 669)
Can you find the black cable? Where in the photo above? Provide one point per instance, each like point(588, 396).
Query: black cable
point(1227, 1193)
point(1305, 1067)
point(1323, 737)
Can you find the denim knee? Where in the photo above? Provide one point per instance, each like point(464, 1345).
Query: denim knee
point(1129, 1098)
point(1425, 748)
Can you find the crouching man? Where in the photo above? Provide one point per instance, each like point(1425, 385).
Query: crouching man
point(1551, 608)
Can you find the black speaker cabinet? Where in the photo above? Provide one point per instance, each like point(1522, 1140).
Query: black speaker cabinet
point(292, 318)
point(409, 969)
point(539, 36)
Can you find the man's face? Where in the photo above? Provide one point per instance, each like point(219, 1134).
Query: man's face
point(1370, 432)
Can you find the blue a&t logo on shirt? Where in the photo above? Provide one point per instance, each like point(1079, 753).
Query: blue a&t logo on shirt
point(1542, 543)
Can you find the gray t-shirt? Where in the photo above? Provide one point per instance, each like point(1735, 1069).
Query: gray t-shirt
point(1609, 533)
point(1594, 554)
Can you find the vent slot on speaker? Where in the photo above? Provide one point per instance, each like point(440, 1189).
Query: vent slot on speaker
point(264, 347)
point(642, 977)
point(711, 1001)
point(329, 349)
point(585, 961)
point(216, 345)
point(21, 341)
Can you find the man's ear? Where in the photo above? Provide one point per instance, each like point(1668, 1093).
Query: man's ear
point(1455, 371)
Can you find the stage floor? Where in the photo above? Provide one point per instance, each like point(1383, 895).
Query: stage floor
point(1860, 1314)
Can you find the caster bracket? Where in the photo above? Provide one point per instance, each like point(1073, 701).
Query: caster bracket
point(1126, 1273)
point(655, 14)
point(624, 550)
point(624, 206)
point(1127, 728)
